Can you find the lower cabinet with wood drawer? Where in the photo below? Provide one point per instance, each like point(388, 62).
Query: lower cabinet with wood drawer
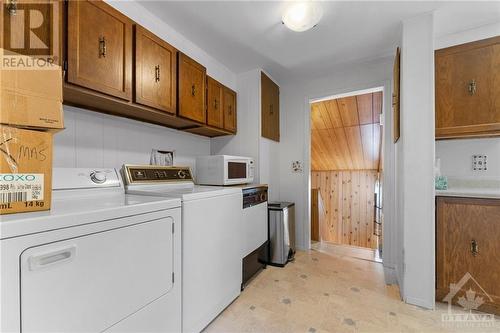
point(468, 253)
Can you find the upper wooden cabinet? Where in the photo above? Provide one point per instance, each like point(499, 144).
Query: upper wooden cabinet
point(191, 89)
point(467, 242)
point(99, 48)
point(270, 108)
point(215, 96)
point(229, 110)
point(155, 71)
point(468, 89)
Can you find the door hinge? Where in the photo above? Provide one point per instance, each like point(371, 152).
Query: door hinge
point(173, 227)
point(173, 277)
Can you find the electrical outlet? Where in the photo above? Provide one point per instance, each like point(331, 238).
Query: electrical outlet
point(479, 162)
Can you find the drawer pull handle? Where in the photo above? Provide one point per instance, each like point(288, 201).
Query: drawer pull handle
point(474, 247)
point(102, 47)
point(48, 259)
point(157, 73)
point(472, 87)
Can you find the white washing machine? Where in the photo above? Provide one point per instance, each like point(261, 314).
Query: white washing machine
point(211, 238)
point(98, 261)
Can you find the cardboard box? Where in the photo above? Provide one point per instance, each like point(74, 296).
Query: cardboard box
point(30, 93)
point(25, 170)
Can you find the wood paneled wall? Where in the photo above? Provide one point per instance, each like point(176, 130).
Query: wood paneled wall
point(348, 198)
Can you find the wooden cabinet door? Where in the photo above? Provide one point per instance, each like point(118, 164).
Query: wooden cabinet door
point(468, 89)
point(467, 242)
point(191, 89)
point(229, 110)
point(270, 109)
point(99, 48)
point(215, 104)
point(155, 71)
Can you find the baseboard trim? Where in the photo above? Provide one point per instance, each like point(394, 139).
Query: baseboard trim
point(420, 303)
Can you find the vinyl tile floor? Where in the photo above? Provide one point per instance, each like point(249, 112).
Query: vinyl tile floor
point(321, 292)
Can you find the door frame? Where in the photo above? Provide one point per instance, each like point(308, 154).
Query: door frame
point(388, 152)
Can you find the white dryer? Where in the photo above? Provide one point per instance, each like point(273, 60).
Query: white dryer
point(98, 261)
point(211, 238)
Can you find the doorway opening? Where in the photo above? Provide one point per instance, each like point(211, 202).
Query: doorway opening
point(346, 174)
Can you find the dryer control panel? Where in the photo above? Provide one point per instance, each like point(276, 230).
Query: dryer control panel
point(134, 174)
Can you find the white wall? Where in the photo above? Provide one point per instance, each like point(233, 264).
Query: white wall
point(248, 140)
point(295, 129)
point(417, 132)
point(245, 142)
point(456, 155)
point(97, 140)
point(93, 139)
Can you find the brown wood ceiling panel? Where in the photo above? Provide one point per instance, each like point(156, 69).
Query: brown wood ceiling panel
point(346, 134)
point(348, 111)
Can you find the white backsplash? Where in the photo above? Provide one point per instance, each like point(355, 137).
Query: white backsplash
point(456, 157)
point(98, 140)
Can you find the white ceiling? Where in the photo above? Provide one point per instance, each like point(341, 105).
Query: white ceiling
point(248, 34)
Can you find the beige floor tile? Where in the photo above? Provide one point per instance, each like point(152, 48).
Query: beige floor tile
point(324, 292)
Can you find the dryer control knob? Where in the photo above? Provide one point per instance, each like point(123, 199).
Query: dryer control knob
point(182, 174)
point(98, 177)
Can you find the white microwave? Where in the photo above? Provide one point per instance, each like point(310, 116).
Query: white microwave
point(224, 170)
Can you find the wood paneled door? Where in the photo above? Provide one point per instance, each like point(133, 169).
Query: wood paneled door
point(99, 48)
point(467, 233)
point(215, 105)
point(348, 198)
point(468, 89)
point(155, 72)
point(270, 108)
point(345, 133)
point(191, 89)
point(229, 110)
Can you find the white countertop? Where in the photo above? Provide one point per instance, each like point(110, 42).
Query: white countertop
point(488, 188)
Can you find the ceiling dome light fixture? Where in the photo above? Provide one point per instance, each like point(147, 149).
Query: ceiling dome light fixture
point(302, 16)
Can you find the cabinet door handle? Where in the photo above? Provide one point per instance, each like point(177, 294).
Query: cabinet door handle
point(472, 87)
point(193, 90)
point(474, 247)
point(102, 47)
point(215, 103)
point(230, 110)
point(12, 7)
point(271, 110)
point(157, 73)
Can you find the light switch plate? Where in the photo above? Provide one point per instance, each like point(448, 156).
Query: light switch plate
point(479, 162)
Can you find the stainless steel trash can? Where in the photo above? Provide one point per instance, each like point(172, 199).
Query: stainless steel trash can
point(281, 232)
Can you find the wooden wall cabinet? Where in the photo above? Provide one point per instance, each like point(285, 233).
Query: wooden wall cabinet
point(109, 69)
point(229, 110)
point(215, 97)
point(467, 79)
point(191, 78)
point(270, 108)
point(99, 48)
point(467, 233)
point(155, 72)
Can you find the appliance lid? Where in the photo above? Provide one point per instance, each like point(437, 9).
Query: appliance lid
point(279, 205)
